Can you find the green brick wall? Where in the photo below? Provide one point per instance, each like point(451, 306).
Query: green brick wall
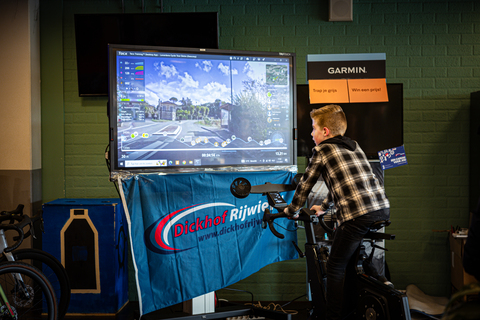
point(432, 47)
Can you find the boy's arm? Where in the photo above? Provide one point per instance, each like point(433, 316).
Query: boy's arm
point(309, 178)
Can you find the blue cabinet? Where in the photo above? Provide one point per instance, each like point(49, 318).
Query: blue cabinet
point(89, 237)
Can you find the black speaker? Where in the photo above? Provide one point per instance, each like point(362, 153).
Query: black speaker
point(340, 10)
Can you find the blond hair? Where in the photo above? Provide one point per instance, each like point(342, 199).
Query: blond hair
point(332, 117)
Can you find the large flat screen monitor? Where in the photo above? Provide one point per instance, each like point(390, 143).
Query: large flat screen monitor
point(376, 126)
point(93, 33)
point(176, 108)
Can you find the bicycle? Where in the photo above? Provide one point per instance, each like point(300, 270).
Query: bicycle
point(25, 292)
point(369, 297)
point(50, 266)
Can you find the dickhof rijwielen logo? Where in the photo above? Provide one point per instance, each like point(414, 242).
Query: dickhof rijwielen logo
point(183, 229)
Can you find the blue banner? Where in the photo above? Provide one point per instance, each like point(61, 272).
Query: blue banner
point(190, 235)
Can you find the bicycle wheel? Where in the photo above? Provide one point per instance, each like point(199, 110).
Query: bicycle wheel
point(28, 295)
point(52, 269)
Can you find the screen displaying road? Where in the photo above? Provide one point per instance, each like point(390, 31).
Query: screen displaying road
point(189, 109)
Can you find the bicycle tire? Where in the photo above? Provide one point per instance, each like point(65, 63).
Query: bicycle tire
point(53, 270)
point(42, 305)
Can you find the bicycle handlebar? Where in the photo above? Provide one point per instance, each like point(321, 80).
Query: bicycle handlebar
point(18, 210)
point(22, 221)
point(241, 188)
point(305, 215)
point(18, 240)
point(268, 218)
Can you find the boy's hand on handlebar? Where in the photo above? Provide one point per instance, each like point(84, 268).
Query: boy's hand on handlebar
point(317, 210)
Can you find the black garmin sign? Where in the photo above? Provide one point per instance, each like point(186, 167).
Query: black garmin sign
point(340, 78)
point(372, 69)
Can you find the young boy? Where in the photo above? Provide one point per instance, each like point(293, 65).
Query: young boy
point(356, 193)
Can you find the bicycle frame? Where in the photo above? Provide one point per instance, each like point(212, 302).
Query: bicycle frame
point(4, 245)
point(6, 303)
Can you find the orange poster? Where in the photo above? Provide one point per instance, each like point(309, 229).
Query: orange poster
point(328, 91)
point(367, 90)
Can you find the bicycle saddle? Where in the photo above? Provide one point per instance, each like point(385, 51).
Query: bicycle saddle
point(379, 225)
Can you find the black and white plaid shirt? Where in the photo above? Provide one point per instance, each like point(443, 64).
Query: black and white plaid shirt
point(353, 188)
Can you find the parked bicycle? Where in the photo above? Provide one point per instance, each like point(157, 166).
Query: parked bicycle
point(25, 292)
point(50, 266)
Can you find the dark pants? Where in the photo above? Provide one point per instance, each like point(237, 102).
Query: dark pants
point(346, 240)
